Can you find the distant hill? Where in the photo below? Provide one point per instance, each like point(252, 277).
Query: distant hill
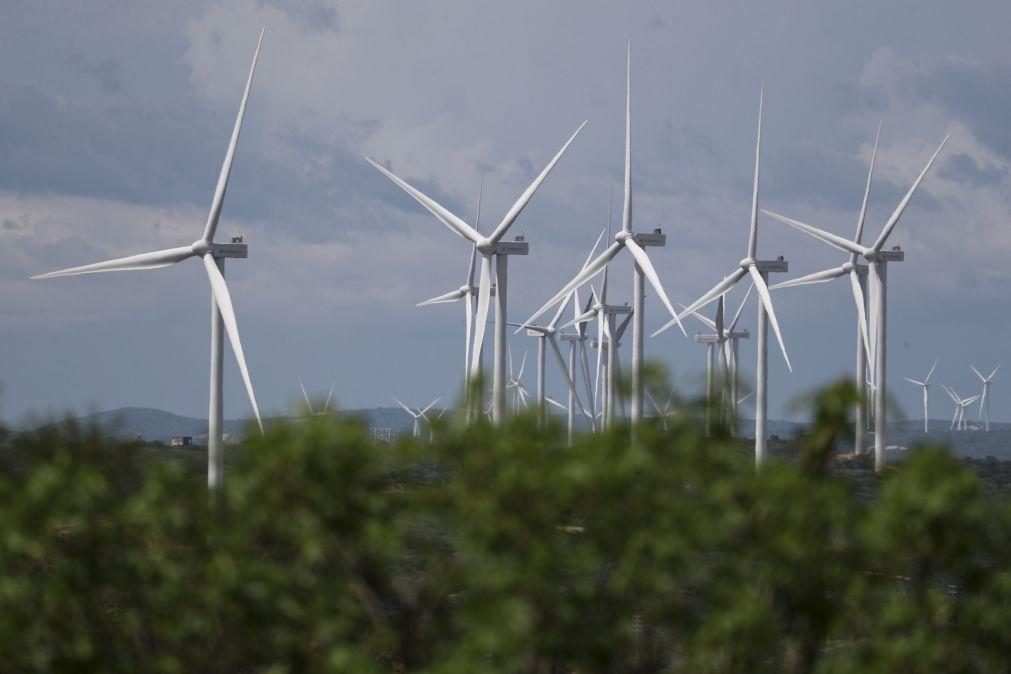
point(158, 426)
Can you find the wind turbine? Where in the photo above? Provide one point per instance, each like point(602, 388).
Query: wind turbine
point(759, 271)
point(416, 415)
point(958, 421)
point(726, 340)
point(984, 403)
point(925, 385)
point(213, 256)
point(857, 274)
point(878, 260)
point(520, 393)
point(643, 267)
point(308, 403)
point(492, 248)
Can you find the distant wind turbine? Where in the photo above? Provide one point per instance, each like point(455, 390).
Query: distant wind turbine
point(417, 415)
point(213, 256)
point(308, 403)
point(958, 421)
point(925, 384)
point(984, 402)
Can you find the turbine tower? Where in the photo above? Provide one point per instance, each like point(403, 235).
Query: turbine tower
point(984, 402)
point(857, 274)
point(213, 256)
point(759, 271)
point(925, 384)
point(643, 267)
point(492, 249)
point(878, 260)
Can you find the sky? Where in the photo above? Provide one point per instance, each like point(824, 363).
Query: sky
point(116, 115)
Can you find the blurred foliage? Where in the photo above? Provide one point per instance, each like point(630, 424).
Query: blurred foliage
point(497, 550)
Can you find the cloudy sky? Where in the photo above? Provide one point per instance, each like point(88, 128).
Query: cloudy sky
point(115, 116)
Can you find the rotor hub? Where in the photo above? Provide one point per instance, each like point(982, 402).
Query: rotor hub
point(201, 247)
point(747, 262)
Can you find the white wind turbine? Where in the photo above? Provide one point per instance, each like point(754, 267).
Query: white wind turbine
point(222, 314)
point(984, 403)
point(308, 403)
point(417, 415)
point(857, 274)
point(643, 267)
point(725, 339)
point(878, 260)
point(925, 385)
point(958, 421)
point(520, 393)
point(490, 247)
point(759, 271)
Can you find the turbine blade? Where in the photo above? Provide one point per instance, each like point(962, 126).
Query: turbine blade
point(833, 240)
point(472, 265)
point(913, 381)
point(568, 380)
point(224, 301)
point(523, 365)
point(554, 402)
point(406, 408)
point(582, 277)
point(858, 300)
point(718, 323)
point(817, 277)
point(905, 200)
point(620, 332)
point(329, 396)
point(226, 166)
point(468, 314)
point(978, 373)
point(932, 371)
point(451, 296)
point(993, 373)
point(626, 211)
point(705, 320)
point(763, 293)
point(432, 206)
point(740, 309)
point(430, 407)
point(753, 234)
point(717, 290)
point(654, 280)
point(483, 300)
point(159, 258)
point(521, 203)
point(305, 396)
point(867, 189)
